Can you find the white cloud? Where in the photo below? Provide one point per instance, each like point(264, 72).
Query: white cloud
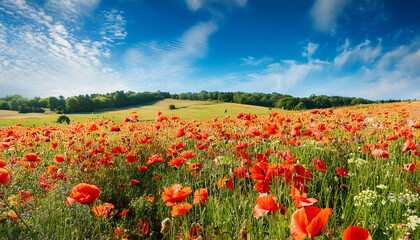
point(195, 5)
point(325, 14)
point(43, 55)
point(310, 49)
point(363, 53)
point(114, 26)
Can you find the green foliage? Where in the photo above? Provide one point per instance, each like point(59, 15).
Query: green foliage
point(171, 107)
point(63, 119)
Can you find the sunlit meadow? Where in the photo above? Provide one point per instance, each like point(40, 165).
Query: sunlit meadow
point(347, 173)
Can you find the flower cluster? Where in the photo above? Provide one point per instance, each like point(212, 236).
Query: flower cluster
point(406, 197)
point(365, 198)
point(413, 222)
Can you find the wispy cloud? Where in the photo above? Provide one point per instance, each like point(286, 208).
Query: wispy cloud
point(156, 65)
point(252, 61)
point(195, 5)
point(310, 49)
point(363, 53)
point(325, 14)
point(44, 56)
point(114, 26)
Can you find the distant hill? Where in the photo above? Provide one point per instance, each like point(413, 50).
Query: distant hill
point(120, 99)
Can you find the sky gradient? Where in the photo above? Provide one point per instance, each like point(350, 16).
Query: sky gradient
point(360, 48)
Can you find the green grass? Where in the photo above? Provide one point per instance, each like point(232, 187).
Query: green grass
point(185, 109)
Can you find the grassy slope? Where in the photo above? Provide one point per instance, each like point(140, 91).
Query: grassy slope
point(185, 109)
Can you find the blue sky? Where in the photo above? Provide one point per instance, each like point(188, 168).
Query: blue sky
point(362, 48)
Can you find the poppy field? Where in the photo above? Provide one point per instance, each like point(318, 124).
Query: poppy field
point(346, 173)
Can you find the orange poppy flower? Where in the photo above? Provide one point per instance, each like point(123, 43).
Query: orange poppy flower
point(409, 145)
point(194, 166)
point(4, 176)
point(380, 153)
point(309, 221)
point(180, 208)
point(84, 193)
point(200, 196)
point(13, 215)
point(355, 232)
point(103, 210)
point(302, 200)
point(154, 158)
point(175, 194)
point(225, 183)
point(266, 204)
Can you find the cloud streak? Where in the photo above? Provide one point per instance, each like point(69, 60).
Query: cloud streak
point(42, 55)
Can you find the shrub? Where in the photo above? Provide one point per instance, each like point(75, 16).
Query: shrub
point(63, 119)
point(171, 107)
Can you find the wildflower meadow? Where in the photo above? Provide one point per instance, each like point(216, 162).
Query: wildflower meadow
point(345, 173)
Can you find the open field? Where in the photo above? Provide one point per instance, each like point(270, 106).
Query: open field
point(319, 174)
point(185, 109)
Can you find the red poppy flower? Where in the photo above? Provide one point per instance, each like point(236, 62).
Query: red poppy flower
point(341, 172)
point(4, 176)
point(143, 227)
point(241, 172)
point(188, 154)
point(302, 200)
point(259, 172)
point(200, 196)
point(124, 212)
point(31, 158)
point(180, 208)
point(180, 133)
point(59, 158)
point(176, 162)
point(143, 168)
point(309, 221)
point(2, 163)
point(130, 158)
point(355, 232)
point(266, 204)
point(410, 167)
point(175, 194)
point(151, 199)
point(84, 193)
point(134, 182)
point(320, 165)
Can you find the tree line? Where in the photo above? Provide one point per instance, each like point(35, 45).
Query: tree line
point(118, 99)
point(277, 100)
point(80, 103)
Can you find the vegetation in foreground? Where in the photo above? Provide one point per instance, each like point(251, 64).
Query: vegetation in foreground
point(349, 173)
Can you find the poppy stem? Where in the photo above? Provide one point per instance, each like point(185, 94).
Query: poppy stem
point(18, 215)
